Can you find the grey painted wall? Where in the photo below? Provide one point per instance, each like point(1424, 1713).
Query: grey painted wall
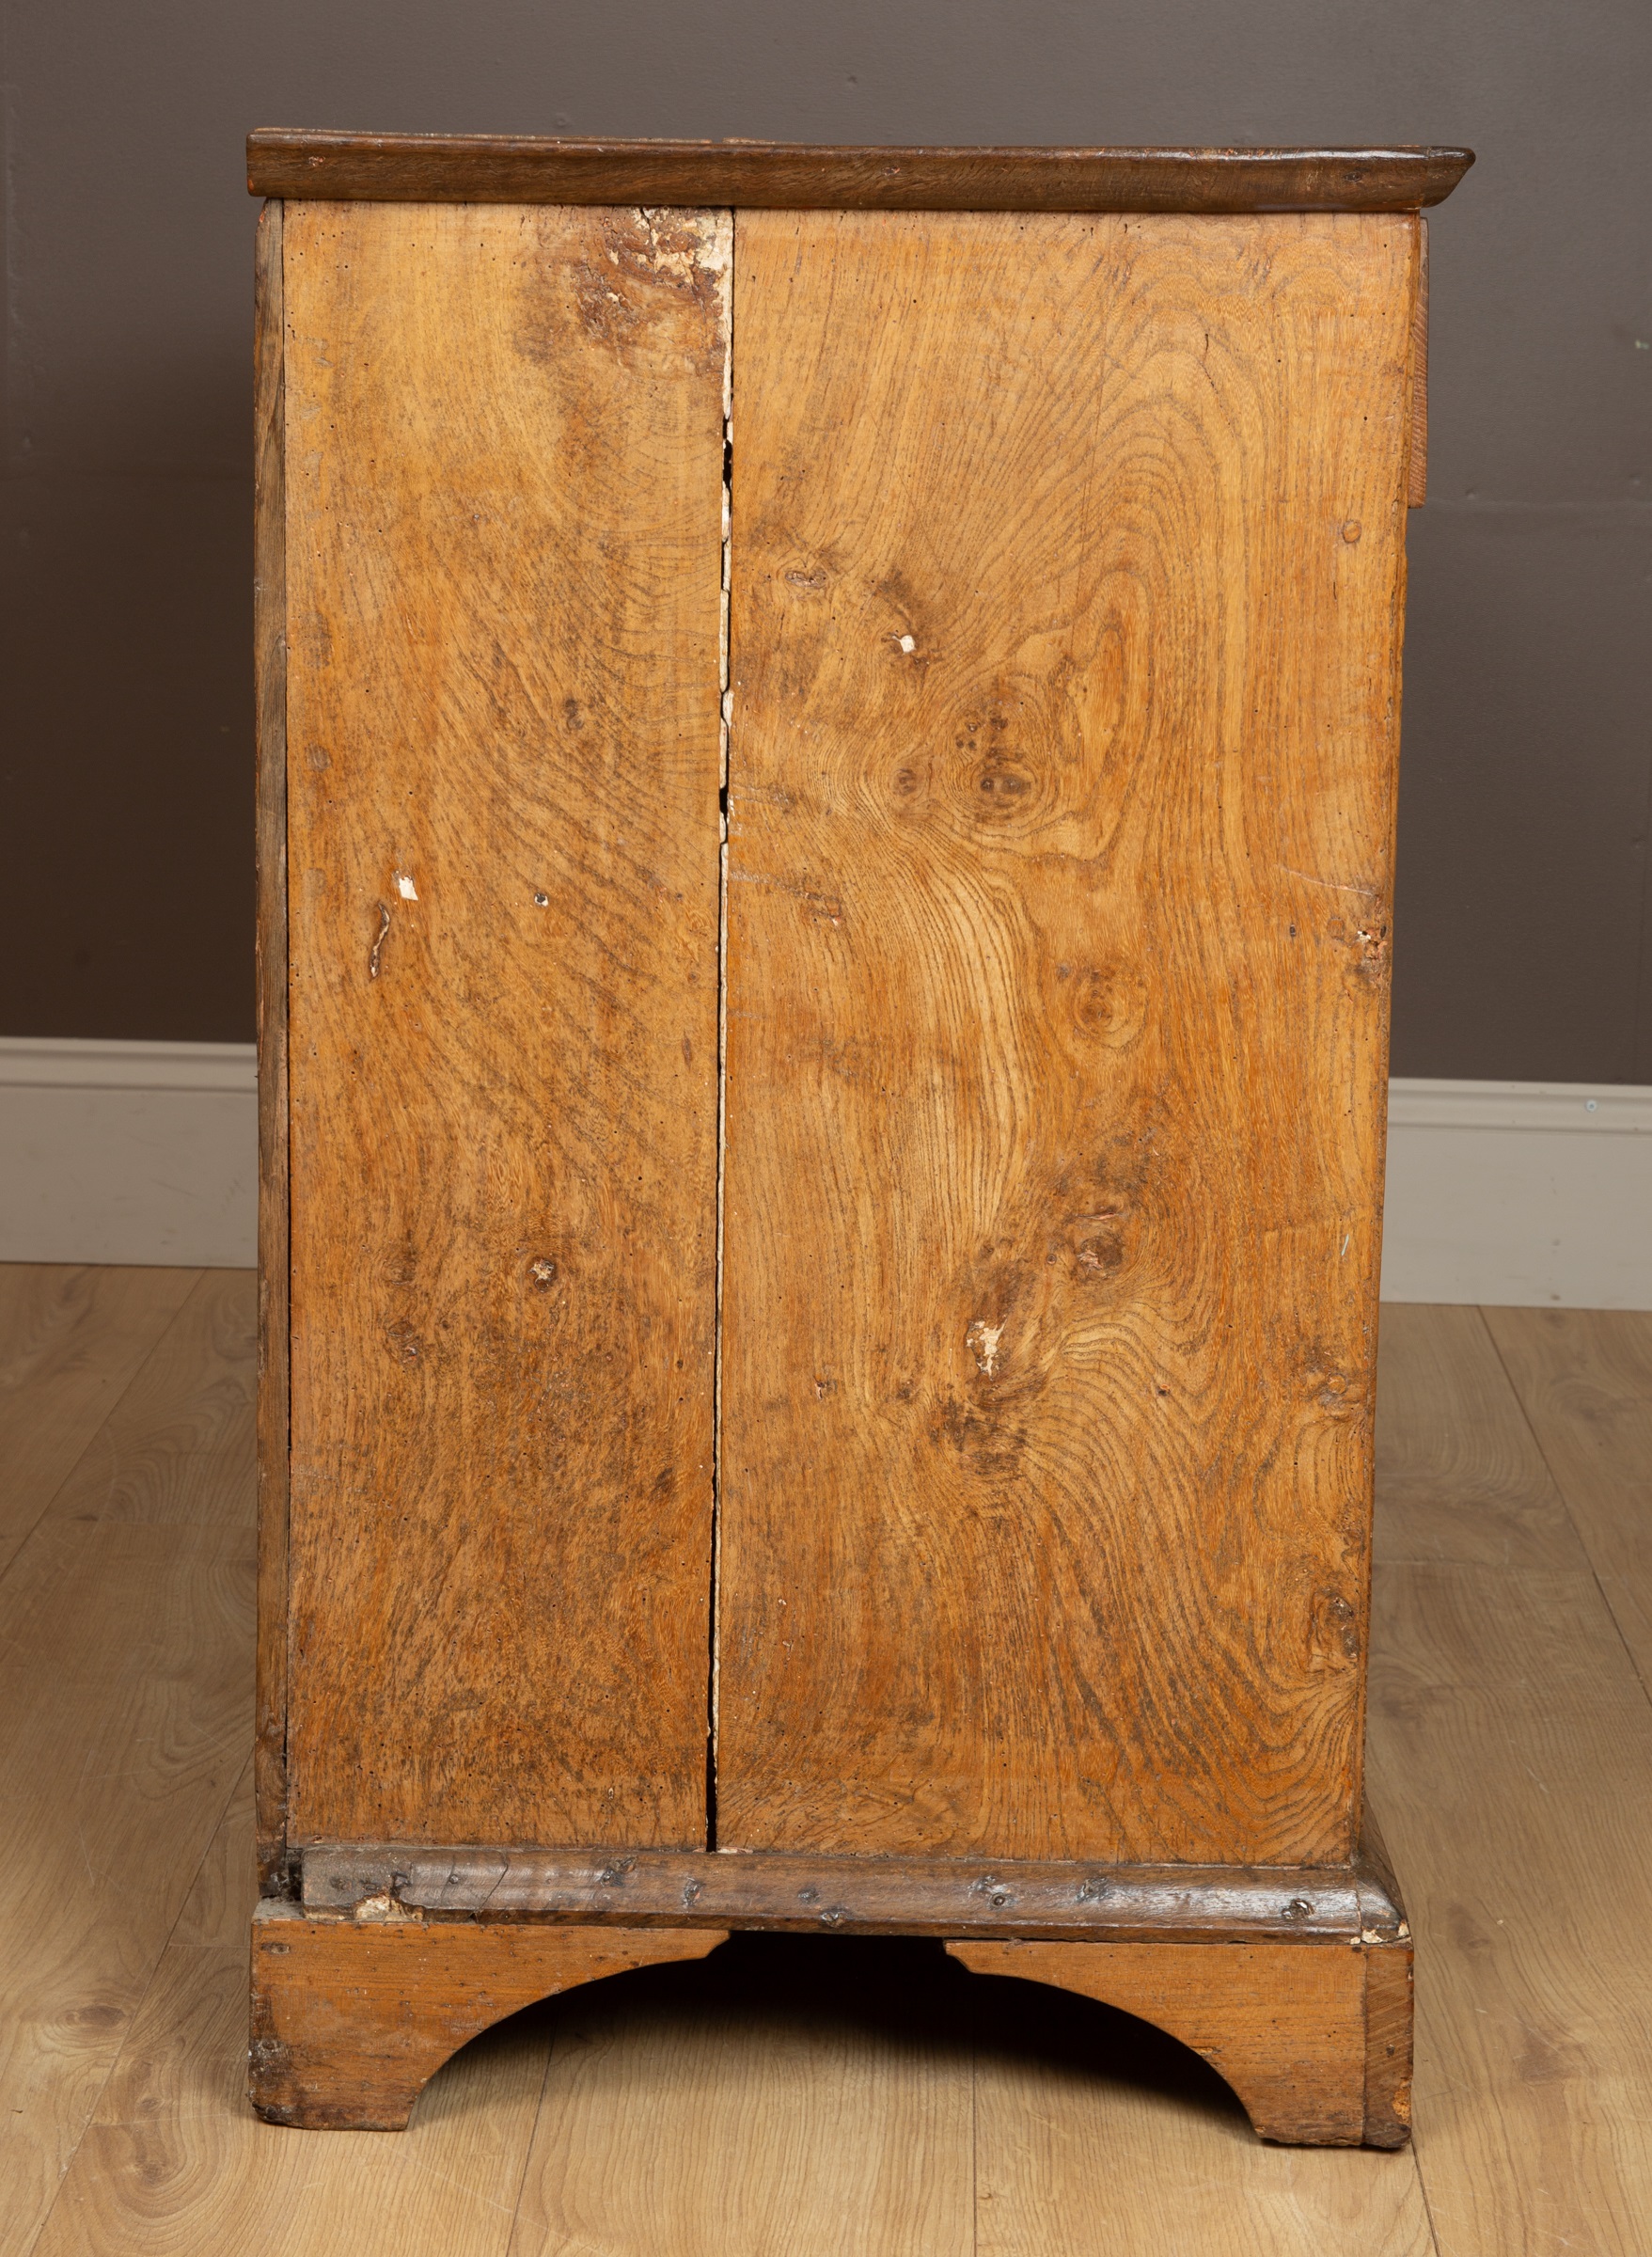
point(1524, 945)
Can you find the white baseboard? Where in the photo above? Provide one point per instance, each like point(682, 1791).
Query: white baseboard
point(1523, 1194)
point(129, 1152)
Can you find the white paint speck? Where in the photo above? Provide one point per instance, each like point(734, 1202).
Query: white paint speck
point(983, 1339)
point(909, 644)
point(406, 887)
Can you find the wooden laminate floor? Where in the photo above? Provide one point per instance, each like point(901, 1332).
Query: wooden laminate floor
point(791, 2096)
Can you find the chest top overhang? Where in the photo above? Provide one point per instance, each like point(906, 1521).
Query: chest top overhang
point(499, 168)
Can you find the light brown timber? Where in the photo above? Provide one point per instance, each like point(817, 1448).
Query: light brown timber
point(1388, 2046)
point(1417, 470)
point(1283, 2025)
point(1060, 814)
point(270, 961)
point(351, 2018)
point(503, 479)
point(1208, 692)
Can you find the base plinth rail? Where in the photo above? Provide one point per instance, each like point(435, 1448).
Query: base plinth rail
point(1315, 2041)
point(1292, 1982)
point(350, 2019)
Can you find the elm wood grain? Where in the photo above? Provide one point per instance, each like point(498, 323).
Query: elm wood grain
point(1511, 1740)
point(125, 1644)
point(1417, 469)
point(1284, 2027)
point(1459, 1476)
point(1061, 811)
point(175, 2164)
point(270, 966)
point(864, 1895)
point(1389, 2023)
point(503, 478)
point(70, 1340)
point(1583, 1378)
point(351, 2018)
point(502, 168)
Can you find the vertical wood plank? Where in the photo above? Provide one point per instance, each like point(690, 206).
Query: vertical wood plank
point(1417, 471)
point(1389, 2051)
point(1067, 573)
point(504, 448)
point(270, 962)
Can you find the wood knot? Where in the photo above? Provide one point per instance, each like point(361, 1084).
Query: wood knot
point(1099, 1243)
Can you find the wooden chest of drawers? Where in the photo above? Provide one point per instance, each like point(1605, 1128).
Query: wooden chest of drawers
point(828, 753)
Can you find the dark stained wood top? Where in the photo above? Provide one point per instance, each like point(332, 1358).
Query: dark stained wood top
point(496, 168)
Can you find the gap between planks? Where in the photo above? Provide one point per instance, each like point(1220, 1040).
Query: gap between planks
point(725, 724)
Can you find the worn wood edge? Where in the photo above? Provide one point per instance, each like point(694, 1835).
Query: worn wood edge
point(1379, 914)
point(867, 1896)
point(1417, 467)
point(1243, 2009)
point(350, 2019)
point(1387, 1954)
point(503, 168)
point(1379, 1888)
point(1388, 2045)
point(270, 677)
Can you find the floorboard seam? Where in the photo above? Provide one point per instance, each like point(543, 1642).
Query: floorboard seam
point(44, 1514)
point(532, 2141)
point(155, 1965)
point(1559, 1490)
point(974, 2146)
point(1434, 2241)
